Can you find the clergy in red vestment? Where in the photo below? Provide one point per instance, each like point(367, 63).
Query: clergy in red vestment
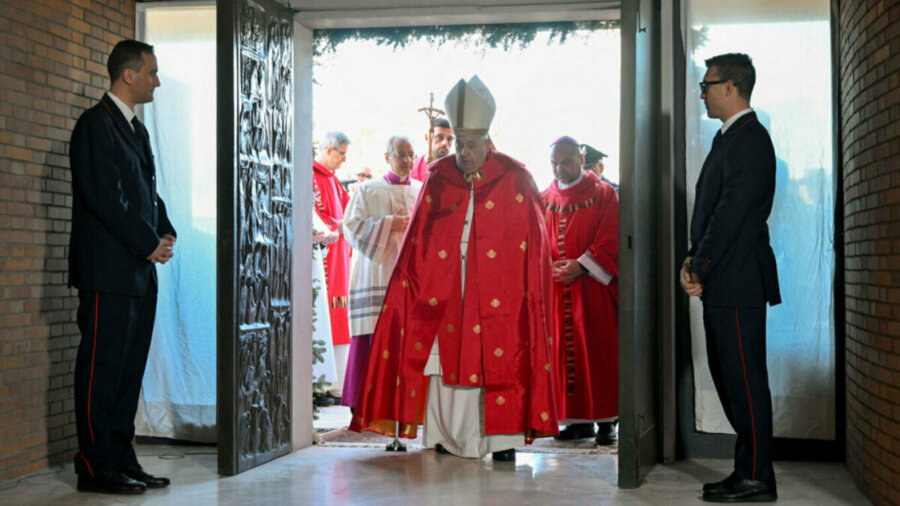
point(467, 305)
point(582, 215)
point(440, 147)
point(330, 201)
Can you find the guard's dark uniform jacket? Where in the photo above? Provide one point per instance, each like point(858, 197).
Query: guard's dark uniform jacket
point(729, 235)
point(117, 217)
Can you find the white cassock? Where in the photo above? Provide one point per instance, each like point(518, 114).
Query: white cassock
point(367, 226)
point(454, 415)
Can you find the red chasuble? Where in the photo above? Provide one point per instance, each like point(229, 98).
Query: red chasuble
point(585, 218)
point(497, 338)
point(331, 199)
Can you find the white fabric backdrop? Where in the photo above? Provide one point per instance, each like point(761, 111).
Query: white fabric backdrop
point(790, 46)
point(179, 393)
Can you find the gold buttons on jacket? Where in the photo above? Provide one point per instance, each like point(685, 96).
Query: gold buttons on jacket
point(473, 378)
point(476, 329)
point(519, 198)
point(495, 303)
point(432, 302)
point(491, 254)
point(501, 400)
point(498, 352)
point(443, 254)
point(489, 204)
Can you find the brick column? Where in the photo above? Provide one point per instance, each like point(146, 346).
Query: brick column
point(870, 149)
point(52, 67)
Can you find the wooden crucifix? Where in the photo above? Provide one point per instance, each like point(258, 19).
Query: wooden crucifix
point(432, 114)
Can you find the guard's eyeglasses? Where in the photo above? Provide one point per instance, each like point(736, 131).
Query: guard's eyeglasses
point(704, 85)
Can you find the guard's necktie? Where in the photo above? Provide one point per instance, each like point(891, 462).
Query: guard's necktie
point(141, 133)
point(717, 139)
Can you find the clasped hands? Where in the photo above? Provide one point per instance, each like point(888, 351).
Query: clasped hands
point(326, 236)
point(689, 281)
point(565, 271)
point(163, 252)
point(329, 236)
point(400, 221)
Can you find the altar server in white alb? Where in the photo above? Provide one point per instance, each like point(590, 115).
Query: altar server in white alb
point(374, 222)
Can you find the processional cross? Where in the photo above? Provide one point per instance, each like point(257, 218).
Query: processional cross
point(432, 114)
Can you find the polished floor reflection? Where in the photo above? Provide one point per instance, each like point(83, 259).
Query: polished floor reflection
point(351, 476)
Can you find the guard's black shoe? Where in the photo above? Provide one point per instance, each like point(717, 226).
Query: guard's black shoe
point(741, 490)
point(110, 482)
point(439, 448)
point(606, 433)
point(719, 486)
point(505, 455)
point(137, 473)
point(576, 431)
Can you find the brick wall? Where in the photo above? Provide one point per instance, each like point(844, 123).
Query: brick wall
point(52, 67)
point(870, 145)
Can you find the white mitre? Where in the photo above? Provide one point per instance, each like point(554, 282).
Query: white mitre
point(470, 107)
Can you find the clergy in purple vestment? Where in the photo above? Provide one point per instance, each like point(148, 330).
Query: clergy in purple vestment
point(374, 223)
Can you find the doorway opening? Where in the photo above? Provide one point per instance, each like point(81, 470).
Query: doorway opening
point(552, 87)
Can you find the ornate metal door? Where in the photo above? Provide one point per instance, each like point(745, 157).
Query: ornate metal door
point(255, 231)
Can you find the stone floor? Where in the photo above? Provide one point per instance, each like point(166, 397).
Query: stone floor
point(331, 429)
point(358, 475)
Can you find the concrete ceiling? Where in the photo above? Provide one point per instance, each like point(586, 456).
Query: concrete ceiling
point(371, 13)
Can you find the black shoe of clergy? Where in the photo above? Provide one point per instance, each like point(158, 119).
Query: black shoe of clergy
point(576, 431)
point(505, 455)
point(606, 433)
point(439, 448)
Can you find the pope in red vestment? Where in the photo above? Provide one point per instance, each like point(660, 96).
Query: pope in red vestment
point(498, 337)
point(331, 199)
point(583, 229)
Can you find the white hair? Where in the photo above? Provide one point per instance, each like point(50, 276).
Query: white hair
point(335, 139)
point(393, 141)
